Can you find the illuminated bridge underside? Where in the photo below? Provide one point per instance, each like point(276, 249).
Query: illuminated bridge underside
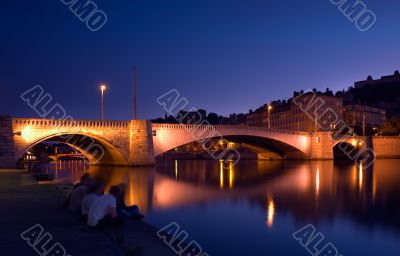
point(285, 144)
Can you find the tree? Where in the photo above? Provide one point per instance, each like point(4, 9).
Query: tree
point(213, 118)
point(391, 127)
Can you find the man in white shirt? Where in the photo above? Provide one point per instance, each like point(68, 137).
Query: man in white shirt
point(94, 192)
point(103, 212)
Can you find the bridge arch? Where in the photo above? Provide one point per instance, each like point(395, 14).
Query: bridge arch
point(343, 150)
point(287, 144)
point(95, 148)
point(358, 149)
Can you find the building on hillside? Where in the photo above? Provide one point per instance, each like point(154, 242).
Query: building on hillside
point(381, 93)
point(259, 117)
point(357, 115)
point(234, 119)
point(391, 79)
point(309, 112)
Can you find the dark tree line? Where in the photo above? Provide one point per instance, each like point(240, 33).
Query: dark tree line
point(200, 115)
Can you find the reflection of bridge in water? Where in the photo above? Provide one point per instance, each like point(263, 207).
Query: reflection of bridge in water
point(138, 142)
point(310, 191)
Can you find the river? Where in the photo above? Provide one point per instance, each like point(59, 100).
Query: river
point(254, 207)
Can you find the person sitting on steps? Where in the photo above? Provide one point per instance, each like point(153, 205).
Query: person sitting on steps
point(94, 192)
point(75, 186)
point(103, 212)
point(79, 193)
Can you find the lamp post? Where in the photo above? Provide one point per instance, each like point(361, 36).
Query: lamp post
point(102, 88)
point(134, 93)
point(363, 124)
point(316, 121)
point(269, 116)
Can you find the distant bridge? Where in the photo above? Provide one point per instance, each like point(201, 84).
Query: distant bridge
point(71, 155)
point(138, 142)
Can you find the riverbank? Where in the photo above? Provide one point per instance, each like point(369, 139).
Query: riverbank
point(24, 203)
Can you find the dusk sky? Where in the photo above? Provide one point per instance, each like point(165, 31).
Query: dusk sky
point(224, 56)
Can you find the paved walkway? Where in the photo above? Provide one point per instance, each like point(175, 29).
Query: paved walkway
point(23, 203)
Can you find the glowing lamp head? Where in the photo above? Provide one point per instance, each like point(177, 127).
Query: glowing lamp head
point(103, 87)
point(27, 134)
point(269, 107)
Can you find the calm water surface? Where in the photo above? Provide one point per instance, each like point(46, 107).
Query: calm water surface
point(254, 207)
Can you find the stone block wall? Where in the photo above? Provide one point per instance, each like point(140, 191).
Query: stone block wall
point(386, 147)
point(7, 150)
point(322, 146)
point(141, 143)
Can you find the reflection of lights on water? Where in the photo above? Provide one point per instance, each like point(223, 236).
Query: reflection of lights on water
point(176, 169)
point(354, 175)
point(221, 174)
point(360, 176)
point(69, 168)
point(231, 174)
point(304, 179)
point(373, 187)
point(270, 212)
point(317, 182)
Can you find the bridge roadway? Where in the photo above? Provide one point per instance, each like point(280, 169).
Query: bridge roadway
point(138, 142)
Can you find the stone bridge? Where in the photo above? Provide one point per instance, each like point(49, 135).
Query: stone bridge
point(102, 142)
point(138, 142)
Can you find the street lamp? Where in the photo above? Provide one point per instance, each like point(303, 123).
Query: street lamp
point(269, 116)
point(102, 89)
point(363, 123)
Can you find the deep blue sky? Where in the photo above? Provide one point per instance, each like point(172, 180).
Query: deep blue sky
point(223, 55)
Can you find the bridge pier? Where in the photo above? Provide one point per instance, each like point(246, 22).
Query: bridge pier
point(141, 151)
point(321, 146)
point(7, 150)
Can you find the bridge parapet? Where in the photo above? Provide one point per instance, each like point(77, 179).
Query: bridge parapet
point(223, 127)
point(69, 123)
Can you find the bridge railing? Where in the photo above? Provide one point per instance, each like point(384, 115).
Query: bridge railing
point(386, 137)
point(69, 123)
point(223, 127)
